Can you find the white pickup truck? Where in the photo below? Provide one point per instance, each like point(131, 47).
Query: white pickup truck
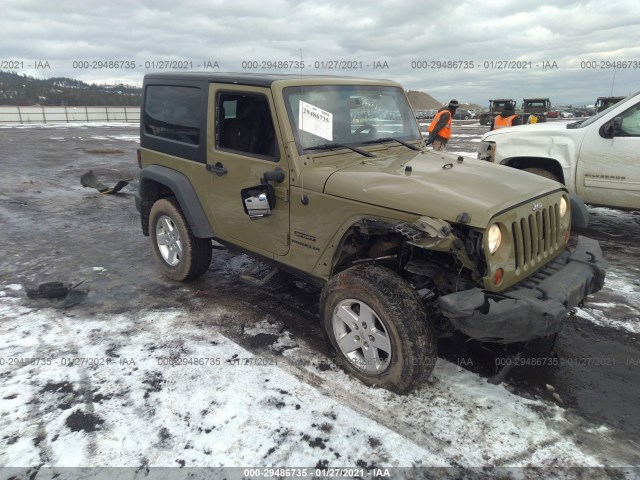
point(597, 158)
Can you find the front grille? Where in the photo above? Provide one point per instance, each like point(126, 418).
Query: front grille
point(536, 236)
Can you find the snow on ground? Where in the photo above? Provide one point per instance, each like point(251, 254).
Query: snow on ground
point(238, 410)
point(620, 308)
point(472, 137)
point(463, 153)
point(164, 388)
point(624, 313)
point(612, 211)
point(600, 317)
point(126, 138)
point(54, 126)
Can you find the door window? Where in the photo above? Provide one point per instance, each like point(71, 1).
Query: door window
point(244, 124)
point(631, 122)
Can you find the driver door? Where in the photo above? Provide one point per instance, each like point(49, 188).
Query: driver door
point(248, 194)
point(608, 171)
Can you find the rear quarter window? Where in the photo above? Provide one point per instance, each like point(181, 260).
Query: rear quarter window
point(173, 113)
point(173, 120)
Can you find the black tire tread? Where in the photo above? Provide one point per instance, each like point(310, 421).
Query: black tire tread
point(198, 256)
point(541, 172)
point(409, 319)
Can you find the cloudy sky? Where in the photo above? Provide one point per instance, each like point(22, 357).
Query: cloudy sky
point(570, 51)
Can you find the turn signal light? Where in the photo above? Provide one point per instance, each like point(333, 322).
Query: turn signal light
point(497, 277)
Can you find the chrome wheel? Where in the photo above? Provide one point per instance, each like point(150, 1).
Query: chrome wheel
point(168, 240)
point(362, 336)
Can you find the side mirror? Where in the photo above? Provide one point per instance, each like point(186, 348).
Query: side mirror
point(258, 201)
point(276, 175)
point(612, 128)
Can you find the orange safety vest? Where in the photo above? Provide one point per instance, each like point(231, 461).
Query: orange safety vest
point(501, 122)
point(446, 130)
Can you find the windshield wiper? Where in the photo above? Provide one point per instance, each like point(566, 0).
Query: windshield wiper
point(575, 124)
point(333, 146)
point(391, 139)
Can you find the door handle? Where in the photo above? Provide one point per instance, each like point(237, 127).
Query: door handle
point(218, 169)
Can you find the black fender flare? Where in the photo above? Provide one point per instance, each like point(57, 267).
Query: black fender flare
point(579, 212)
point(184, 192)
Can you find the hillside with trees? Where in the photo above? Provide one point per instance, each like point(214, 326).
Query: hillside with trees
point(18, 89)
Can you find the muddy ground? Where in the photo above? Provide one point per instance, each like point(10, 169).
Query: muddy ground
point(53, 229)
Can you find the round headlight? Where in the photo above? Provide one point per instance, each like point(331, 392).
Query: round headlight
point(494, 238)
point(563, 207)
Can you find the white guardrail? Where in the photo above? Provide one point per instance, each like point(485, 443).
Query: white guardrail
point(41, 114)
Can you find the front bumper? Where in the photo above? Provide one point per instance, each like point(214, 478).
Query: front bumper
point(534, 308)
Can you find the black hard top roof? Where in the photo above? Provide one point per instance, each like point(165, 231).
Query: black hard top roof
point(254, 79)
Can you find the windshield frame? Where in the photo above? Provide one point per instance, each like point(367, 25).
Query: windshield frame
point(410, 131)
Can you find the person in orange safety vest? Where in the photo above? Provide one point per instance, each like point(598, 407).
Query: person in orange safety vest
point(440, 128)
point(506, 118)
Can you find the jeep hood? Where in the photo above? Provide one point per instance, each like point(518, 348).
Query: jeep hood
point(436, 185)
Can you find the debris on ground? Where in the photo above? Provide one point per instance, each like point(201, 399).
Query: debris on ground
point(89, 179)
point(48, 290)
point(74, 297)
point(70, 295)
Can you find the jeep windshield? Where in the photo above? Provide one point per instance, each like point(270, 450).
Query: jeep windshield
point(349, 115)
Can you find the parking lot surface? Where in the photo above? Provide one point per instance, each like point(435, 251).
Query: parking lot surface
point(126, 407)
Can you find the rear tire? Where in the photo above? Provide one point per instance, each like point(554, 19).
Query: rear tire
point(542, 172)
point(180, 255)
point(377, 328)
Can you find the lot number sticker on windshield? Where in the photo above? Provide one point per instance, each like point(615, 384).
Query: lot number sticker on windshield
point(316, 121)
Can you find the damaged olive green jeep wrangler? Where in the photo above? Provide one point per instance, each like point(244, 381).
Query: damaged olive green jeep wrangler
point(328, 178)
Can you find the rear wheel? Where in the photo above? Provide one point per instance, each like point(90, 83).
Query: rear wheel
point(377, 328)
point(542, 172)
point(180, 255)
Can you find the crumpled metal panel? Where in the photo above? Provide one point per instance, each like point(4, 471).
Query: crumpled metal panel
point(537, 310)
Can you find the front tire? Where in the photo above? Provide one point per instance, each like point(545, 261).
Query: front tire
point(542, 172)
point(180, 255)
point(377, 328)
